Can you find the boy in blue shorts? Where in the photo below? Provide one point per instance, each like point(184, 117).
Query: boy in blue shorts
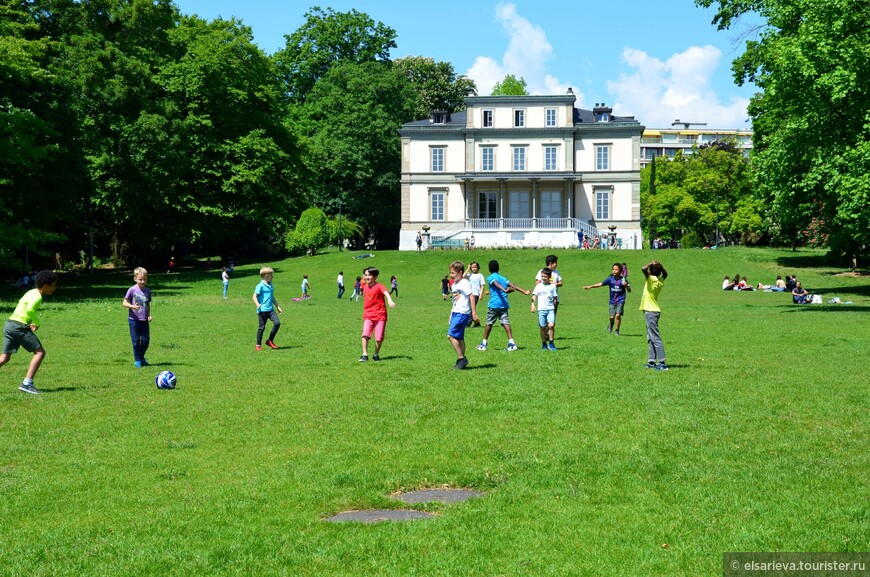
point(464, 312)
point(498, 305)
point(618, 288)
point(545, 293)
point(20, 329)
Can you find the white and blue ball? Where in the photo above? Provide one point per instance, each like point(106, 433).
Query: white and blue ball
point(165, 380)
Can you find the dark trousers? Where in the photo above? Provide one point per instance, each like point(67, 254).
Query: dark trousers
point(340, 290)
point(140, 334)
point(276, 324)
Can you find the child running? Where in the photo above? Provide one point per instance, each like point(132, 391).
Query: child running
point(618, 288)
point(463, 313)
point(264, 298)
point(20, 329)
point(357, 289)
point(545, 292)
point(138, 301)
point(374, 312)
point(655, 275)
point(498, 305)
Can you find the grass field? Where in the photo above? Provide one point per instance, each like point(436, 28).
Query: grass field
point(755, 440)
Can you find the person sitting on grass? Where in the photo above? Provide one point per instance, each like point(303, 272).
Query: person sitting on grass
point(799, 295)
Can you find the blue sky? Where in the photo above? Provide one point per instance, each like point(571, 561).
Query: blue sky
point(657, 61)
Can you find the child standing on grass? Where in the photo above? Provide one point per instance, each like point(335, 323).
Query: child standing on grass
point(464, 311)
point(306, 286)
point(655, 275)
point(545, 292)
point(375, 297)
point(357, 289)
point(264, 298)
point(225, 277)
point(20, 329)
point(138, 301)
point(618, 288)
point(498, 305)
point(478, 282)
point(445, 288)
point(394, 286)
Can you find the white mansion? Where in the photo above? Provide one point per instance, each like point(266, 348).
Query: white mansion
point(521, 171)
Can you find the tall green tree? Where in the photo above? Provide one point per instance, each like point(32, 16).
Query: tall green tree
point(510, 86)
point(327, 38)
point(355, 112)
point(811, 62)
point(692, 196)
point(436, 84)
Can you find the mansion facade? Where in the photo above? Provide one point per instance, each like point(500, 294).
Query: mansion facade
point(521, 171)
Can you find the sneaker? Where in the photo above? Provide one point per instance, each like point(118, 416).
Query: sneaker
point(363, 358)
point(511, 347)
point(461, 364)
point(616, 333)
point(544, 347)
point(650, 366)
point(481, 347)
point(28, 389)
point(552, 347)
point(258, 348)
point(609, 328)
point(662, 367)
point(376, 358)
point(138, 364)
point(271, 345)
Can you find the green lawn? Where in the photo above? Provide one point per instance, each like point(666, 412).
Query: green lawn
point(755, 440)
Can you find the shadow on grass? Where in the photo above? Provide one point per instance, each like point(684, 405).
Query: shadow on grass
point(478, 367)
point(58, 390)
point(825, 308)
point(397, 357)
point(863, 291)
point(798, 260)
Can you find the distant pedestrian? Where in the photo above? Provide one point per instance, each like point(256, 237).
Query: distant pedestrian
point(340, 282)
point(357, 289)
point(419, 241)
point(394, 286)
point(225, 277)
point(306, 287)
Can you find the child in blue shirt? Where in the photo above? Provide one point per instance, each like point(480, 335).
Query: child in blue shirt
point(264, 298)
point(498, 305)
point(618, 288)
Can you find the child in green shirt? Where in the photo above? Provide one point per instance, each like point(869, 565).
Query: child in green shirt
point(20, 329)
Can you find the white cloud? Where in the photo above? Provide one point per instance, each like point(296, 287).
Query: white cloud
point(657, 92)
point(526, 57)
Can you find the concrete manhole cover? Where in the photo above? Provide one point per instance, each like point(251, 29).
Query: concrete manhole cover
point(439, 495)
point(377, 515)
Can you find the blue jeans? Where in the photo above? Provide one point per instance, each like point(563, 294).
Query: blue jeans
point(140, 334)
point(340, 290)
point(226, 286)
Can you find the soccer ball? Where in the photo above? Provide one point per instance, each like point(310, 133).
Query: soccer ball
point(165, 380)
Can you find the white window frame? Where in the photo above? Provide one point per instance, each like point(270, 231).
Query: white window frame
point(437, 205)
point(519, 117)
point(551, 157)
point(437, 156)
point(602, 157)
point(518, 204)
point(484, 167)
point(490, 113)
point(486, 201)
point(519, 160)
point(550, 117)
point(602, 203)
point(551, 204)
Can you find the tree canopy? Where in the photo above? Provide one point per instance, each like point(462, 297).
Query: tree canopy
point(436, 85)
point(811, 62)
point(510, 86)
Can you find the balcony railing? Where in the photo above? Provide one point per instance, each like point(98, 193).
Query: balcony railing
point(525, 224)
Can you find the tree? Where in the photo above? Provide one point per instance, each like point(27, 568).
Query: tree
point(811, 148)
point(510, 86)
point(311, 232)
point(352, 117)
point(436, 84)
point(327, 38)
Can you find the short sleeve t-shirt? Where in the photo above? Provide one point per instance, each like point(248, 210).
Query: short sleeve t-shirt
point(461, 293)
point(555, 279)
point(651, 289)
point(546, 294)
point(141, 297)
point(264, 293)
point(25, 312)
point(374, 302)
point(497, 297)
point(477, 280)
point(617, 289)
